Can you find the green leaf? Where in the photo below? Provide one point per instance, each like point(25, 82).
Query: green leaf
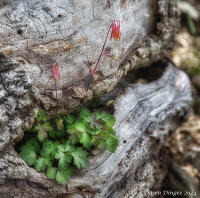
point(99, 143)
point(110, 102)
point(35, 144)
point(96, 123)
point(74, 138)
point(112, 144)
point(59, 123)
point(95, 102)
point(109, 131)
point(99, 140)
point(74, 134)
point(69, 119)
point(48, 160)
point(55, 131)
point(42, 134)
point(64, 160)
point(41, 116)
point(32, 130)
point(28, 154)
point(102, 144)
point(80, 157)
point(46, 127)
point(102, 135)
point(104, 116)
point(62, 176)
point(63, 154)
point(92, 132)
point(84, 112)
point(51, 173)
point(110, 122)
point(42, 130)
point(63, 141)
point(85, 119)
point(49, 148)
point(40, 164)
point(80, 127)
point(85, 140)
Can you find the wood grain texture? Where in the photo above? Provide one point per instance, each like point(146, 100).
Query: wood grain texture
point(145, 115)
point(36, 34)
point(25, 86)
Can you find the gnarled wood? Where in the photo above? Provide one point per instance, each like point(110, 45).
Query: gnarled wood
point(38, 34)
point(144, 116)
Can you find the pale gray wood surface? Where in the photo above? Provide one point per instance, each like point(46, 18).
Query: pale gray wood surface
point(25, 83)
point(36, 34)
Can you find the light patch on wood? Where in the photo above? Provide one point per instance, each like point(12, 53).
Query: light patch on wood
point(7, 50)
point(81, 39)
point(122, 5)
point(54, 47)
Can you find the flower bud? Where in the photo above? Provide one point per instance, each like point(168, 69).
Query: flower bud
point(80, 91)
point(55, 72)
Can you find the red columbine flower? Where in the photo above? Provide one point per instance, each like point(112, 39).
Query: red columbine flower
point(55, 72)
point(116, 33)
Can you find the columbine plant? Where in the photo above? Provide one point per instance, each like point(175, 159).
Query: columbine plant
point(57, 145)
point(115, 34)
point(89, 79)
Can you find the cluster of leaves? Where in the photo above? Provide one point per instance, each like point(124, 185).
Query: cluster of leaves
point(59, 145)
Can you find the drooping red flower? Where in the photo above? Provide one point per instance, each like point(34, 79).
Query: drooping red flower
point(116, 33)
point(55, 72)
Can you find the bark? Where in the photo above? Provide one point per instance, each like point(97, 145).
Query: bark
point(145, 115)
point(32, 41)
point(34, 35)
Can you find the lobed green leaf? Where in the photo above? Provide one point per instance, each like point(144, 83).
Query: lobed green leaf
point(41, 116)
point(85, 140)
point(62, 176)
point(69, 119)
point(28, 154)
point(40, 164)
point(80, 158)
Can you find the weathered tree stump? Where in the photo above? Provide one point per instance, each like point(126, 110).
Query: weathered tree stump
point(145, 115)
point(36, 35)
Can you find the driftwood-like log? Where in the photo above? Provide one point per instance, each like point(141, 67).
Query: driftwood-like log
point(145, 114)
point(36, 34)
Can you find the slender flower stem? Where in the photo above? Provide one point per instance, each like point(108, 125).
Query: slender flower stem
point(118, 90)
point(102, 49)
point(66, 93)
point(81, 106)
point(57, 103)
point(93, 73)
